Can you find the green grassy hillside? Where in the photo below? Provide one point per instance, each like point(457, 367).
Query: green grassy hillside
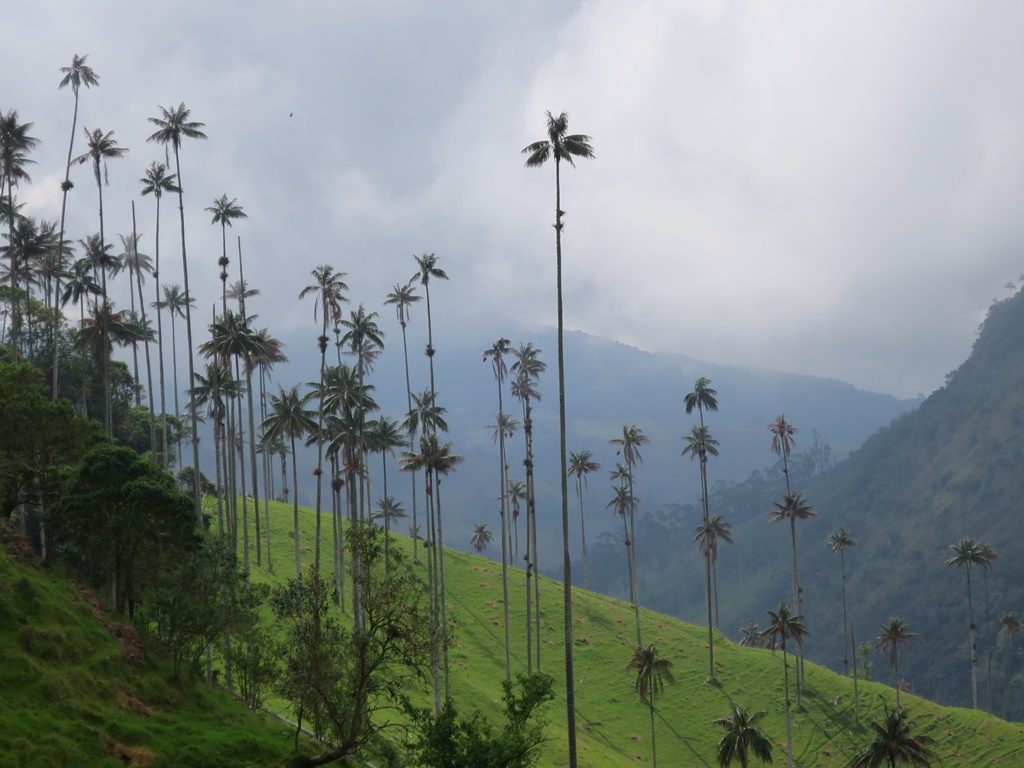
point(71, 694)
point(613, 723)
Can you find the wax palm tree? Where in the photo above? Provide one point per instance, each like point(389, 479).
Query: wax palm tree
point(892, 639)
point(742, 738)
point(173, 125)
point(707, 536)
point(560, 145)
point(15, 144)
point(327, 291)
point(1010, 630)
point(79, 285)
point(515, 492)
point(156, 182)
point(136, 264)
point(839, 541)
point(402, 297)
point(481, 538)
point(224, 212)
point(794, 506)
point(783, 627)
point(629, 447)
point(496, 354)
point(699, 444)
point(102, 147)
point(750, 635)
point(966, 553)
point(213, 390)
point(177, 304)
point(525, 387)
point(31, 244)
point(894, 743)
point(383, 436)
point(77, 75)
point(288, 419)
point(652, 673)
point(365, 341)
point(427, 269)
point(988, 556)
point(581, 464)
point(436, 460)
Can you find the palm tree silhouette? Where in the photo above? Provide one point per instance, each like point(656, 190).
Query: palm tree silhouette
point(76, 75)
point(707, 535)
point(102, 146)
point(742, 736)
point(156, 182)
point(894, 743)
point(893, 637)
point(288, 419)
point(652, 673)
point(481, 538)
point(783, 626)
point(177, 305)
point(968, 552)
point(402, 297)
point(172, 126)
point(699, 445)
point(581, 464)
point(560, 145)
point(629, 447)
point(839, 541)
point(15, 143)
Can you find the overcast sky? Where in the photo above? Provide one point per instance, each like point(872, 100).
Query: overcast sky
point(826, 188)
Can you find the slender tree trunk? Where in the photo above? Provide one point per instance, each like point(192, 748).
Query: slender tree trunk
point(142, 309)
point(504, 533)
point(412, 441)
point(632, 564)
point(654, 748)
point(13, 256)
point(65, 188)
point(431, 545)
point(249, 365)
point(988, 646)
point(218, 428)
point(583, 534)
point(974, 645)
point(108, 420)
point(789, 718)
point(191, 363)
point(846, 621)
point(444, 599)
point(796, 599)
point(570, 681)
point(711, 634)
point(160, 339)
point(320, 444)
point(295, 513)
point(856, 690)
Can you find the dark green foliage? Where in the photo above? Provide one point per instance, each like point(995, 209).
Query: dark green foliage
point(203, 595)
point(254, 659)
point(894, 743)
point(451, 742)
point(341, 681)
point(121, 522)
point(185, 480)
point(38, 438)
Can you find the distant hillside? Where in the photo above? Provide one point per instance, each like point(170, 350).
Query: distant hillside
point(951, 468)
point(608, 385)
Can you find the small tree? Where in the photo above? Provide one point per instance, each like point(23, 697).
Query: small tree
point(341, 679)
point(448, 742)
point(651, 674)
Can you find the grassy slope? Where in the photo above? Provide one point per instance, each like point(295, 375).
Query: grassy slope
point(69, 697)
point(613, 723)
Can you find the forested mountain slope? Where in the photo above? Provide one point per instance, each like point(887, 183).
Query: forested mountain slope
point(949, 469)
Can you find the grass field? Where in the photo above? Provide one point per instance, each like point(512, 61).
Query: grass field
point(613, 724)
point(70, 696)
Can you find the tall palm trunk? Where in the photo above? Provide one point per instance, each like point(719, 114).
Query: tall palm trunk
point(973, 636)
point(218, 429)
point(635, 587)
point(789, 719)
point(583, 534)
point(108, 421)
point(444, 602)
point(142, 309)
point(502, 496)
point(796, 581)
point(295, 513)
point(432, 596)
point(846, 621)
point(12, 254)
point(339, 537)
point(412, 440)
point(570, 684)
point(65, 188)
point(188, 334)
point(249, 364)
point(268, 475)
point(320, 444)
point(160, 339)
point(531, 525)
